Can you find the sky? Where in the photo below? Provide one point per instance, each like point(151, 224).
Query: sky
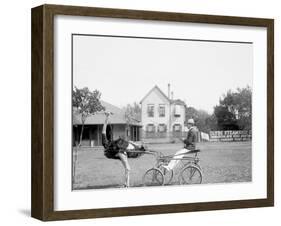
point(124, 70)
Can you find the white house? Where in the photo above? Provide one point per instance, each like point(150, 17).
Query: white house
point(161, 114)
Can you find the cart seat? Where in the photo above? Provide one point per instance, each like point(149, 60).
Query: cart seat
point(194, 151)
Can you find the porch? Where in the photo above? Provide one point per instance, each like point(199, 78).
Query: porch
point(92, 134)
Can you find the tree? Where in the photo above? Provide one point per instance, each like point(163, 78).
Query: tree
point(212, 123)
point(85, 103)
point(225, 119)
point(235, 110)
point(244, 108)
point(203, 120)
point(191, 112)
point(132, 113)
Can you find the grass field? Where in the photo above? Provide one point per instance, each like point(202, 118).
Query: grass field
point(220, 163)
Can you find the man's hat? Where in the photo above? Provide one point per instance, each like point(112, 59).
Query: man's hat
point(190, 121)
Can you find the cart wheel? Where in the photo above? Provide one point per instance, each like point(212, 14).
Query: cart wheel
point(190, 174)
point(153, 177)
point(168, 174)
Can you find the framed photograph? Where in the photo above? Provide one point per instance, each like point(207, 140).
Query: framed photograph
point(142, 112)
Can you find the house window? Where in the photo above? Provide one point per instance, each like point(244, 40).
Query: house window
point(150, 110)
point(150, 128)
point(161, 110)
point(177, 127)
point(162, 128)
point(177, 111)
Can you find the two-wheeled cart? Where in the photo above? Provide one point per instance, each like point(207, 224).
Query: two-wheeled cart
point(189, 173)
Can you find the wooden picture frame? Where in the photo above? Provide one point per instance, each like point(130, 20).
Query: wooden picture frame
point(42, 203)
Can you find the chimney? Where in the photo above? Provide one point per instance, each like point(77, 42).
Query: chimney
point(169, 87)
point(172, 95)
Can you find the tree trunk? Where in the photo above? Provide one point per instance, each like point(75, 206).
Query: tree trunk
point(76, 152)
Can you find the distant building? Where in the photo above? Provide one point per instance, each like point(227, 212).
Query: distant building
point(162, 116)
point(94, 124)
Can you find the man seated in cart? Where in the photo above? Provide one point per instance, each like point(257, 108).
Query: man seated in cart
point(190, 145)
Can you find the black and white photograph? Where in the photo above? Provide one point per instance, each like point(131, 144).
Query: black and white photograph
point(149, 111)
point(139, 112)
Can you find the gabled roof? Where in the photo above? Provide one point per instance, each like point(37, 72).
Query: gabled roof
point(177, 101)
point(118, 116)
point(155, 88)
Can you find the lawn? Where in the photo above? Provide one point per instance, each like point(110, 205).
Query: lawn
point(220, 163)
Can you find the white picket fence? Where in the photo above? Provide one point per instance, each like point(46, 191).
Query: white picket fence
point(204, 136)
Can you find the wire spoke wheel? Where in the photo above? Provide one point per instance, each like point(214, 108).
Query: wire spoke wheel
point(153, 177)
point(190, 175)
point(168, 174)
